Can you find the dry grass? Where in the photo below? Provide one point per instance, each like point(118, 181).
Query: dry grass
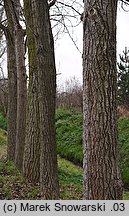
point(123, 112)
point(3, 153)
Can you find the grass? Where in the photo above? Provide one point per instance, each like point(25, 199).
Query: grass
point(69, 140)
point(69, 135)
point(71, 180)
point(3, 121)
point(126, 195)
point(124, 150)
point(3, 137)
point(3, 142)
point(14, 186)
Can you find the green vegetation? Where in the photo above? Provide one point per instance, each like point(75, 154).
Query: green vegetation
point(3, 142)
point(124, 150)
point(69, 139)
point(69, 134)
point(3, 121)
point(3, 137)
point(123, 78)
point(71, 180)
point(14, 186)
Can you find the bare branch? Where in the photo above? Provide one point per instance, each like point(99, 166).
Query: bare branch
point(1, 4)
point(70, 6)
point(51, 3)
point(73, 40)
point(4, 28)
point(125, 2)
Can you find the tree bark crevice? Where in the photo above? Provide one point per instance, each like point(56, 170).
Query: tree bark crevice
point(102, 179)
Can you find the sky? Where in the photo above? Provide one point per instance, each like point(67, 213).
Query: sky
point(68, 58)
point(122, 29)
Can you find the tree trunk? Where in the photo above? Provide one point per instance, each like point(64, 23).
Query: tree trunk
point(21, 81)
point(102, 178)
point(21, 97)
point(12, 99)
point(12, 86)
point(31, 164)
point(49, 183)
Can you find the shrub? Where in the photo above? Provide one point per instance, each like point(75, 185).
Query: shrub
point(70, 94)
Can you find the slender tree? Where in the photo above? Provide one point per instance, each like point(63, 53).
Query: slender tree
point(12, 95)
point(21, 88)
point(102, 179)
point(46, 87)
point(31, 164)
point(14, 9)
point(12, 84)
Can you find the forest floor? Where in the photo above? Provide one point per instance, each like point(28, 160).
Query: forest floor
point(14, 186)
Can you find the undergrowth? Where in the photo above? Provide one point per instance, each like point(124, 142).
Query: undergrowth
point(3, 121)
point(14, 186)
point(69, 146)
point(69, 139)
point(69, 135)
